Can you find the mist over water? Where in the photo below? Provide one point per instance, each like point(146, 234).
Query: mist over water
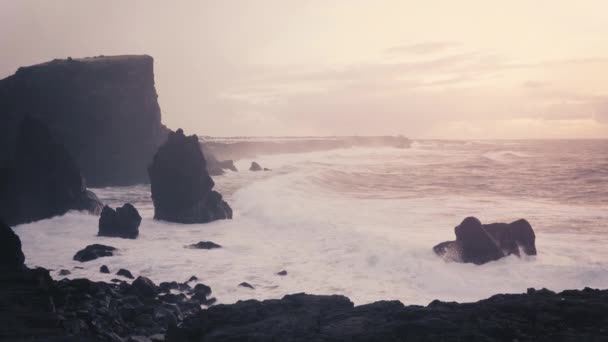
point(362, 222)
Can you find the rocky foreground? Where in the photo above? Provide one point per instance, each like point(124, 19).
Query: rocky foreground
point(34, 307)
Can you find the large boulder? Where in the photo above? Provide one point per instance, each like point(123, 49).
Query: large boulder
point(42, 180)
point(104, 110)
point(181, 185)
point(92, 252)
point(11, 256)
point(123, 222)
point(478, 243)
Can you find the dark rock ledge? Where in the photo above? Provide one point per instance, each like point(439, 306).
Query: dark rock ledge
point(37, 308)
point(536, 316)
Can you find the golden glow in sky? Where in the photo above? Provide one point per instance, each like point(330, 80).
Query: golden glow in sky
point(425, 69)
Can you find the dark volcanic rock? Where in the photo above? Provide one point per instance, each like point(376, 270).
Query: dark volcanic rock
point(104, 110)
point(64, 272)
point(144, 287)
point(123, 222)
point(181, 186)
point(125, 273)
point(92, 252)
point(246, 285)
point(255, 167)
point(282, 273)
point(104, 269)
point(477, 243)
point(539, 316)
point(11, 256)
point(42, 180)
point(204, 245)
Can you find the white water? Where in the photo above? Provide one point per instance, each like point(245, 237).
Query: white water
point(362, 222)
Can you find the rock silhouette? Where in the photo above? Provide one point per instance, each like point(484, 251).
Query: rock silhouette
point(104, 110)
point(181, 185)
point(42, 180)
point(478, 243)
point(123, 222)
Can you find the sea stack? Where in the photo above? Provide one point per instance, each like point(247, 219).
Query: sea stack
point(480, 243)
point(42, 180)
point(104, 110)
point(182, 190)
point(123, 222)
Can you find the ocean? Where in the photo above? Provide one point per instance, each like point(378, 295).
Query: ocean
point(362, 222)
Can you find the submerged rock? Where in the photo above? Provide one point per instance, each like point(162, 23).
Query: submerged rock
point(204, 245)
point(92, 252)
point(125, 273)
point(123, 222)
point(64, 272)
point(181, 186)
point(255, 167)
point(246, 285)
point(42, 180)
point(477, 243)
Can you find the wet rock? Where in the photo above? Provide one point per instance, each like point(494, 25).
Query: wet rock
point(64, 272)
point(144, 287)
point(576, 315)
point(255, 167)
point(246, 285)
point(202, 290)
point(204, 245)
point(192, 278)
point(104, 269)
point(282, 273)
point(92, 252)
point(42, 180)
point(123, 222)
point(477, 243)
point(125, 273)
point(181, 186)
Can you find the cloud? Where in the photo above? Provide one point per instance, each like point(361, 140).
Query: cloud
point(422, 48)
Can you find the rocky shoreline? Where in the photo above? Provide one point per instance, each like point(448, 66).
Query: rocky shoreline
point(37, 308)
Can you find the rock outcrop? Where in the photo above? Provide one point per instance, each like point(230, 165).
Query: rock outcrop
point(255, 167)
point(104, 110)
point(92, 252)
point(42, 180)
point(182, 190)
point(539, 315)
point(123, 222)
point(11, 255)
point(478, 243)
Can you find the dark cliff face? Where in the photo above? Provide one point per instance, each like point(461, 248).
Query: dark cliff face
point(103, 109)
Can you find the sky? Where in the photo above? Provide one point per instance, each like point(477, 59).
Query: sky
point(470, 69)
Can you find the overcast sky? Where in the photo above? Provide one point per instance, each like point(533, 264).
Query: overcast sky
point(426, 69)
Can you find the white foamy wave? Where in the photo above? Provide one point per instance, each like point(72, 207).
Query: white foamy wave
point(505, 156)
point(339, 222)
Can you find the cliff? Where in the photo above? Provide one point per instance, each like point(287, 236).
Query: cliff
point(104, 110)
